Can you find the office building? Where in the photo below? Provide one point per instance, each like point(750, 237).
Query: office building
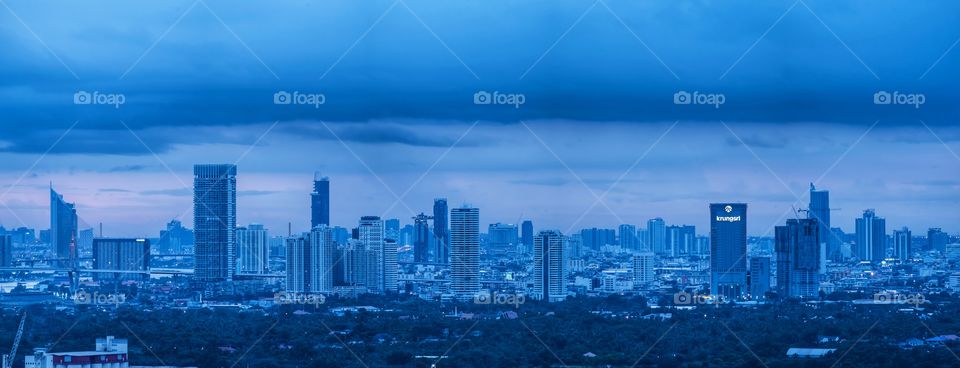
point(370, 232)
point(391, 229)
point(728, 250)
point(310, 260)
point(871, 237)
point(798, 258)
point(820, 210)
point(936, 240)
point(502, 239)
point(627, 237)
point(759, 277)
point(253, 250)
point(594, 238)
point(421, 238)
point(680, 240)
point(121, 254)
point(465, 251)
point(214, 221)
point(176, 239)
point(902, 243)
point(441, 230)
point(63, 230)
point(360, 266)
point(549, 266)
point(526, 235)
point(6, 250)
point(643, 269)
point(657, 236)
point(320, 201)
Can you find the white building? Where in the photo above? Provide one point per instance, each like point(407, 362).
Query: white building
point(253, 250)
point(643, 268)
point(549, 273)
point(465, 251)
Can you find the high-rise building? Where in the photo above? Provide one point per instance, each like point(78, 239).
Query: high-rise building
point(820, 210)
point(421, 238)
point(63, 229)
point(628, 237)
point(176, 239)
point(502, 239)
point(253, 250)
point(441, 230)
point(594, 238)
point(549, 266)
point(310, 260)
point(643, 269)
point(759, 277)
point(465, 251)
point(798, 258)
point(902, 243)
point(526, 235)
point(371, 233)
point(320, 201)
point(214, 221)
point(121, 254)
point(6, 250)
point(657, 236)
point(936, 240)
point(391, 229)
point(360, 266)
point(680, 240)
point(871, 237)
point(728, 249)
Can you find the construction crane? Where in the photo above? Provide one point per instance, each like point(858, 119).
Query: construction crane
point(8, 359)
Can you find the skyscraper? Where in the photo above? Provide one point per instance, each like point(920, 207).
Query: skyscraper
point(936, 240)
point(820, 210)
point(253, 250)
point(441, 230)
point(549, 266)
point(310, 259)
point(121, 254)
point(798, 258)
point(628, 237)
point(465, 251)
point(526, 235)
point(370, 233)
point(657, 236)
point(594, 238)
point(320, 201)
point(214, 221)
point(902, 243)
point(728, 249)
point(421, 238)
point(502, 239)
point(360, 266)
point(390, 269)
point(871, 237)
point(643, 269)
point(759, 277)
point(680, 240)
point(63, 229)
point(6, 250)
point(175, 238)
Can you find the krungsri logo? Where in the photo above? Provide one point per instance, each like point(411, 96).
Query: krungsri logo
point(728, 218)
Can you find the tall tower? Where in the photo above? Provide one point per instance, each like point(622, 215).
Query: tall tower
point(421, 238)
point(441, 230)
point(728, 249)
point(548, 266)
point(214, 221)
point(798, 258)
point(320, 201)
point(820, 211)
point(902, 243)
point(871, 237)
point(657, 236)
point(465, 251)
point(526, 235)
point(370, 234)
point(63, 229)
point(253, 252)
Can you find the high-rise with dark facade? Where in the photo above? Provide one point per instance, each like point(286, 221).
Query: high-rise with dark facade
point(902, 243)
point(63, 229)
point(421, 238)
point(214, 221)
point(594, 238)
point(759, 277)
point(121, 254)
point(728, 249)
point(680, 240)
point(871, 237)
point(465, 251)
point(526, 235)
point(820, 210)
point(320, 201)
point(657, 236)
point(441, 230)
point(6, 250)
point(798, 258)
point(549, 276)
point(936, 240)
point(627, 237)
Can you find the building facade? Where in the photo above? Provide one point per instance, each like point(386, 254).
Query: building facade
point(63, 229)
point(728, 250)
point(798, 258)
point(871, 237)
point(214, 221)
point(549, 266)
point(441, 230)
point(253, 250)
point(465, 251)
point(320, 201)
point(121, 254)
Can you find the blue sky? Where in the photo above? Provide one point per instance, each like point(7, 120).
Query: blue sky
point(599, 77)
